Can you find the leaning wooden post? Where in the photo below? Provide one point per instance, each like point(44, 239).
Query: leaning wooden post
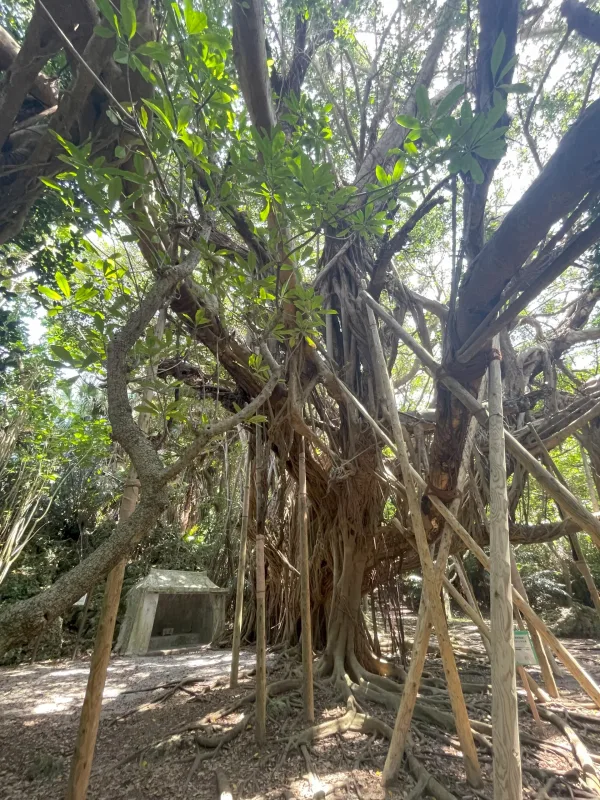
point(589, 480)
point(505, 713)
point(89, 721)
point(578, 557)
point(468, 590)
point(538, 645)
point(261, 635)
point(239, 593)
point(567, 501)
point(433, 600)
point(581, 676)
point(307, 654)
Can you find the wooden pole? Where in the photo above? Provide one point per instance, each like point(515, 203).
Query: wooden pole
point(578, 556)
point(307, 654)
point(525, 680)
point(261, 636)
point(468, 590)
point(589, 480)
point(581, 676)
point(241, 573)
point(433, 602)
point(570, 505)
point(538, 646)
point(505, 712)
point(89, 721)
point(572, 665)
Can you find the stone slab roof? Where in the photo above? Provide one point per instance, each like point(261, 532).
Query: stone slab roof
point(173, 581)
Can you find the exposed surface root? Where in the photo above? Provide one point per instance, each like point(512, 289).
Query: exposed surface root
point(580, 751)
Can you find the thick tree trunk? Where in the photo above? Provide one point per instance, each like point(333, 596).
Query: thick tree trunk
point(345, 637)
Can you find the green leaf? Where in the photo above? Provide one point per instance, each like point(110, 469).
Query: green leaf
point(91, 358)
point(496, 112)
point(475, 170)
point(51, 184)
point(120, 151)
point(49, 293)
point(491, 150)
point(144, 408)
point(466, 114)
point(62, 353)
point(121, 55)
point(63, 284)
point(158, 111)
point(154, 50)
point(508, 66)
point(104, 33)
point(265, 212)
point(450, 100)
point(411, 148)
point(382, 175)
point(407, 121)
point(115, 188)
point(398, 169)
point(423, 103)
point(195, 21)
point(128, 18)
point(184, 116)
point(107, 10)
point(498, 53)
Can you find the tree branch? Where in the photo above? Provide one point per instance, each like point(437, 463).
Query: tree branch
point(399, 241)
point(582, 19)
point(125, 430)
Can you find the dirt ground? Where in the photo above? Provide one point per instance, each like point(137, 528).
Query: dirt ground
point(40, 703)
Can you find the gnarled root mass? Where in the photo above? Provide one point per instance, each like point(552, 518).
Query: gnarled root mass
point(381, 685)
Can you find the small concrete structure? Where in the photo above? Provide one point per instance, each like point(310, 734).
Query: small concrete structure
point(171, 608)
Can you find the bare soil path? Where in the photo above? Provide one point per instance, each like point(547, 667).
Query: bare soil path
point(39, 707)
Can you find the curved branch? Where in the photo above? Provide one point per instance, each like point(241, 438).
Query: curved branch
point(125, 430)
point(582, 19)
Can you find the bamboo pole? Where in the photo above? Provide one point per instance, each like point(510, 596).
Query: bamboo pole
point(505, 713)
point(433, 603)
point(261, 637)
point(239, 593)
point(307, 654)
point(89, 720)
point(570, 505)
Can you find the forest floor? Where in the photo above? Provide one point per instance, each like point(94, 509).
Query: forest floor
point(40, 703)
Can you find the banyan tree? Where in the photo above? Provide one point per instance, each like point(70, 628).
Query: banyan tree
point(284, 175)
